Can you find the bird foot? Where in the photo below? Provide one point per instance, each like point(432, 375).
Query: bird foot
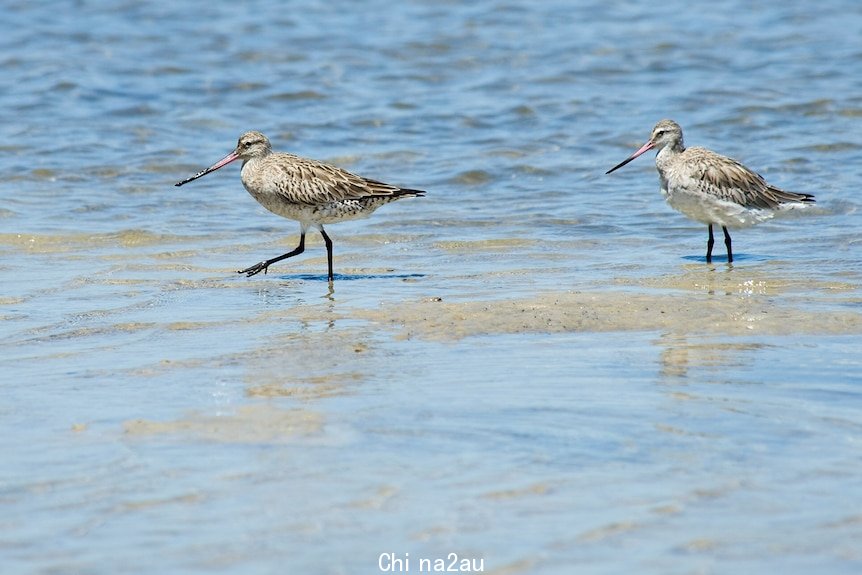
point(255, 269)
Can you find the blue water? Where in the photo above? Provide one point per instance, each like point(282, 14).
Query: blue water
point(162, 414)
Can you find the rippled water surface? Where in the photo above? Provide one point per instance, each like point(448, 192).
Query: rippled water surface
point(532, 367)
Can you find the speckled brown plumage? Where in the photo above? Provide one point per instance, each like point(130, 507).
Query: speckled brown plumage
point(308, 191)
point(711, 188)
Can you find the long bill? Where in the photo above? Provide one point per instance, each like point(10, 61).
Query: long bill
point(645, 148)
point(223, 162)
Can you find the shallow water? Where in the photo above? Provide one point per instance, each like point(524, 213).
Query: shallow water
point(532, 366)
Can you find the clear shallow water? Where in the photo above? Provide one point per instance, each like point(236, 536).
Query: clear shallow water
point(162, 414)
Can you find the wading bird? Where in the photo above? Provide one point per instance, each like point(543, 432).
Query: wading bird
point(711, 188)
point(308, 191)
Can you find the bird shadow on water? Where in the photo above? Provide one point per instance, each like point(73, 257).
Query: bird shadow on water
point(723, 259)
point(346, 277)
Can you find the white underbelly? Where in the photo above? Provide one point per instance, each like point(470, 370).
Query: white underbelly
point(711, 210)
point(316, 214)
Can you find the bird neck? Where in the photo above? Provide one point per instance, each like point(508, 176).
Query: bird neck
point(667, 154)
point(248, 168)
point(251, 161)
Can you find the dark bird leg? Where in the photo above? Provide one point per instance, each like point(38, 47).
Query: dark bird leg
point(328, 243)
point(727, 243)
point(709, 243)
point(262, 266)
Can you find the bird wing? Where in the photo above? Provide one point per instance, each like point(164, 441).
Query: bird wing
point(729, 180)
point(304, 181)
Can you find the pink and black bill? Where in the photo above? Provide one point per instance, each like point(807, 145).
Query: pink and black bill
point(645, 148)
point(221, 163)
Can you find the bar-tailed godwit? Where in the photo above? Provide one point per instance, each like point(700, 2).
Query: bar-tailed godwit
point(308, 191)
point(711, 188)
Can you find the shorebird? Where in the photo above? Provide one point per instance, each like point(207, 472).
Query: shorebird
point(711, 188)
point(308, 191)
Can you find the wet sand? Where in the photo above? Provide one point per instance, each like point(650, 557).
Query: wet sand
point(618, 311)
point(248, 424)
point(699, 300)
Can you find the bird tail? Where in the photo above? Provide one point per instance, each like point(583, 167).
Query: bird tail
point(408, 193)
point(785, 197)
